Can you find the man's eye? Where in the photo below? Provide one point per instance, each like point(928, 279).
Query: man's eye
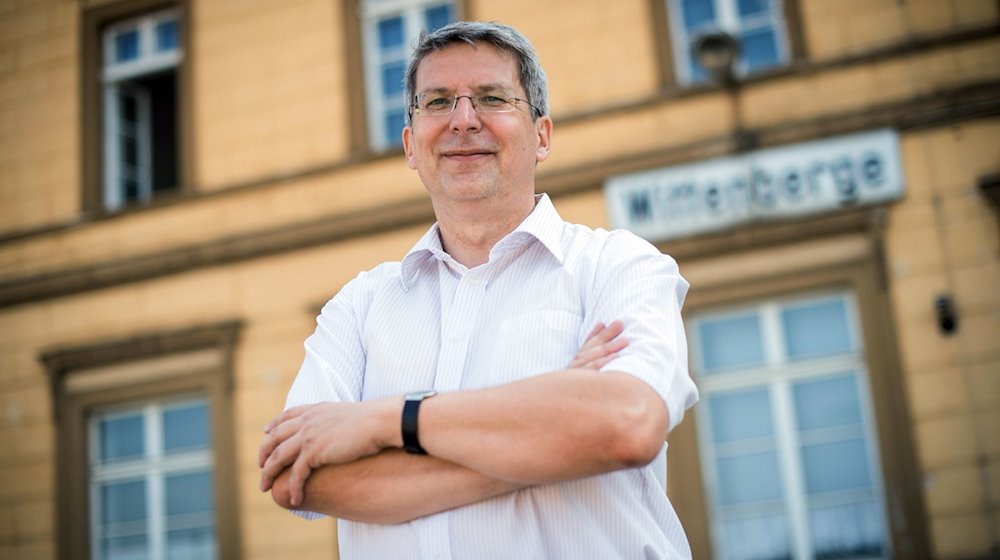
point(437, 102)
point(491, 100)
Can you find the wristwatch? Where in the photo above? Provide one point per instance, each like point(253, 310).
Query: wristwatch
point(411, 406)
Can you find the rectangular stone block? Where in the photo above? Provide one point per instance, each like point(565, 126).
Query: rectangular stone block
point(955, 490)
point(985, 379)
point(924, 349)
point(960, 536)
point(938, 392)
point(35, 520)
point(946, 441)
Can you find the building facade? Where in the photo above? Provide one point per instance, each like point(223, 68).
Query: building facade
point(184, 183)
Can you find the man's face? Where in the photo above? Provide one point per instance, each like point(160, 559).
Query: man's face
point(468, 155)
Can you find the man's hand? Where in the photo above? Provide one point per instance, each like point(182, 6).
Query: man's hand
point(306, 437)
point(602, 345)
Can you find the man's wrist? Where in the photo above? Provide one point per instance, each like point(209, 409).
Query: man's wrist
point(388, 413)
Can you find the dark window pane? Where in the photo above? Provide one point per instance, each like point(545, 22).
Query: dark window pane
point(130, 151)
point(827, 402)
point(392, 78)
point(752, 7)
point(394, 122)
point(130, 189)
point(836, 466)
point(162, 88)
point(126, 46)
point(760, 49)
point(740, 415)
point(731, 342)
point(438, 16)
point(123, 502)
point(121, 438)
point(127, 108)
point(166, 36)
point(189, 493)
point(697, 13)
point(186, 427)
point(390, 33)
point(749, 478)
point(816, 329)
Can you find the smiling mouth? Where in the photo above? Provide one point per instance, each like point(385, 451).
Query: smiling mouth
point(466, 156)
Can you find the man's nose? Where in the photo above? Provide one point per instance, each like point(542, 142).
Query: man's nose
point(465, 117)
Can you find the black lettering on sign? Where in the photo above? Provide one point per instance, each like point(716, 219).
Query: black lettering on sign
point(792, 183)
point(873, 170)
point(763, 188)
point(843, 177)
point(639, 207)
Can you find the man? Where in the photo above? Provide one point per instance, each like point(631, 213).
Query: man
point(525, 458)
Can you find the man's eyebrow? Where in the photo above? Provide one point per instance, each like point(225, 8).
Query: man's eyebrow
point(480, 88)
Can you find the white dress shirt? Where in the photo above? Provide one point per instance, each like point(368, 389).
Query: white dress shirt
point(429, 322)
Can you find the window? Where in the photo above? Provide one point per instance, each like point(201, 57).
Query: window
point(759, 25)
point(391, 28)
point(139, 107)
point(151, 480)
point(786, 433)
point(145, 446)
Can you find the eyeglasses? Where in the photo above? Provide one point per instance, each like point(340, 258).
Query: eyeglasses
point(439, 104)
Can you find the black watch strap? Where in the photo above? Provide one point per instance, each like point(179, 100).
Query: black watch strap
point(411, 410)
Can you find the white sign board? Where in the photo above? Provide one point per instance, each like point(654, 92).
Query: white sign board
point(767, 185)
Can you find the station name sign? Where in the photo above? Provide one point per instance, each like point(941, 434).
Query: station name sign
point(767, 185)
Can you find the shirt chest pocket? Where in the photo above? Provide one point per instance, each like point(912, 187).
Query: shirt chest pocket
point(535, 342)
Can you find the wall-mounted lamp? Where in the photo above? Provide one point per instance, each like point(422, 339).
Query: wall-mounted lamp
point(717, 52)
point(947, 315)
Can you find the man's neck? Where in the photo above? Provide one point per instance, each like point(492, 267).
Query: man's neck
point(469, 232)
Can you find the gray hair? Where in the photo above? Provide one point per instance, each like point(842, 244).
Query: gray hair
point(503, 37)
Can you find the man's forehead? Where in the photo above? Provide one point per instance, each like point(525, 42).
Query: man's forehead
point(463, 61)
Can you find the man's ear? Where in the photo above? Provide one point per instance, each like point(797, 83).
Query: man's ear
point(408, 147)
point(543, 127)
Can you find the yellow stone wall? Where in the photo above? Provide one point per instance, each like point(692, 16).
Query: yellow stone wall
point(943, 239)
point(271, 100)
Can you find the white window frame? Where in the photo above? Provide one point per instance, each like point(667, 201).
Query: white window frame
point(412, 12)
point(777, 375)
point(728, 20)
point(113, 73)
point(153, 467)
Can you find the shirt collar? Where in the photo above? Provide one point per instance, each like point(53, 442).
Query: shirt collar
point(543, 224)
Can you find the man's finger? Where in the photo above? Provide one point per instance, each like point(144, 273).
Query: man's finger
point(300, 472)
point(277, 460)
point(286, 415)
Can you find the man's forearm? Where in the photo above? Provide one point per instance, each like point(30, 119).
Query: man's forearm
point(553, 427)
point(391, 487)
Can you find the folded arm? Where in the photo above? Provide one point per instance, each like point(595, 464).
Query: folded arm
point(392, 486)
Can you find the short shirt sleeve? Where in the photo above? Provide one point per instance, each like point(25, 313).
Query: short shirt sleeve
point(642, 287)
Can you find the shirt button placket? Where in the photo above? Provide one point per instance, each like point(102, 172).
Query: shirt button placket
point(458, 321)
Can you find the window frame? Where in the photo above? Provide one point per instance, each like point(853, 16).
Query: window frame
point(667, 27)
point(95, 157)
point(861, 273)
point(134, 371)
point(777, 376)
point(362, 70)
point(153, 466)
